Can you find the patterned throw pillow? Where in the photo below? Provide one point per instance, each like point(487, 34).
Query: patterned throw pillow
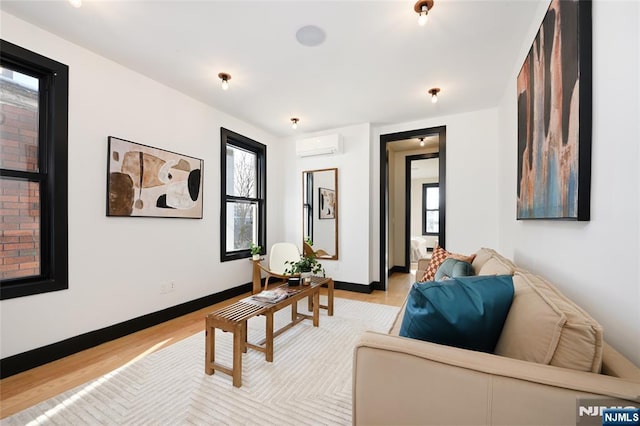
point(439, 255)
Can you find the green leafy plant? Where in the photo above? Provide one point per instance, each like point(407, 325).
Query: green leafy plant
point(305, 264)
point(254, 249)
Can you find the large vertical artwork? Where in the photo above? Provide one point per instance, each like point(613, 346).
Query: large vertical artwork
point(151, 182)
point(554, 117)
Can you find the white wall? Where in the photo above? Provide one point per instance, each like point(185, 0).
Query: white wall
point(117, 265)
point(595, 263)
point(471, 186)
point(353, 203)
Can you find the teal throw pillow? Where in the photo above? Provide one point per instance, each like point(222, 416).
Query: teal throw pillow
point(452, 268)
point(466, 312)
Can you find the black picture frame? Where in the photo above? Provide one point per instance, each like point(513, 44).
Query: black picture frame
point(554, 89)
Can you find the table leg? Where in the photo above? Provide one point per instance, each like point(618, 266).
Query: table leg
point(330, 288)
point(244, 337)
point(294, 311)
point(309, 303)
point(257, 278)
point(269, 337)
point(237, 355)
point(210, 351)
point(316, 307)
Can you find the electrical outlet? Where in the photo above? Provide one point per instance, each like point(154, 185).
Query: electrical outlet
point(172, 286)
point(164, 288)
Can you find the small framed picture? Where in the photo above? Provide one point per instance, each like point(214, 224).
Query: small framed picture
point(327, 203)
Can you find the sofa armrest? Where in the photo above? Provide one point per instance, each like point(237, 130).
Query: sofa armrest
point(436, 384)
point(616, 365)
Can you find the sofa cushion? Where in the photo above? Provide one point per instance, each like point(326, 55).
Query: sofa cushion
point(544, 326)
point(481, 257)
point(467, 312)
point(497, 266)
point(438, 256)
point(452, 268)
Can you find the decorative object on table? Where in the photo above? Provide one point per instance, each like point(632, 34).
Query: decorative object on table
point(255, 251)
point(554, 117)
point(306, 266)
point(271, 296)
point(293, 282)
point(151, 182)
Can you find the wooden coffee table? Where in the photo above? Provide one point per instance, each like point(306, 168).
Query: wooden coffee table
point(233, 318)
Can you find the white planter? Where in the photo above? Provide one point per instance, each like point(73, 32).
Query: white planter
point(255, 257)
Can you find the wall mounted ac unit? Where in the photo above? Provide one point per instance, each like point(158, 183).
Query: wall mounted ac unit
point(320, 145)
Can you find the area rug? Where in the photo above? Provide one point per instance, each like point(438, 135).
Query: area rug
point(308, 383)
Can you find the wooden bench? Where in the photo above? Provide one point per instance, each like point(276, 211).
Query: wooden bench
point(233, 318)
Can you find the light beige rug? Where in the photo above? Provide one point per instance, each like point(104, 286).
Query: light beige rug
point(308, 383)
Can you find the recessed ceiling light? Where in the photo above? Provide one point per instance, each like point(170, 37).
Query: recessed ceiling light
point(76, 3)
point(311, 35)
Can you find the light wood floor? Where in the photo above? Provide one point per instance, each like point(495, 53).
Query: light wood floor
point(33, 386)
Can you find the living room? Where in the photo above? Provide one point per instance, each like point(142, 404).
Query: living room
point(116, 266)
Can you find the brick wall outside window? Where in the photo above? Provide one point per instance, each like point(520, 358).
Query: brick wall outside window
point(19, 199)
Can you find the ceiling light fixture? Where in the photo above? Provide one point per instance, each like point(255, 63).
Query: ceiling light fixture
point(294, 123)
point(422, 8)
point(225, 80)
point(76, 3)
point(434, 94)
point(421, 141)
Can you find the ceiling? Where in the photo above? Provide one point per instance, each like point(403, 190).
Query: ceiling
point(375, 66)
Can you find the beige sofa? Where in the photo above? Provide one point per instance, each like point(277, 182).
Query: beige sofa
point(552, 354)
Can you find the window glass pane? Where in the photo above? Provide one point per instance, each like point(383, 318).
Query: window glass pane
point(433, 197)
point(241, 172)
point(19, 228)
point(18, 121)
point(433, 221)
point(242, 225)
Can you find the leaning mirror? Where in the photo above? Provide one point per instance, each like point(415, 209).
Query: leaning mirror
point(320, 212)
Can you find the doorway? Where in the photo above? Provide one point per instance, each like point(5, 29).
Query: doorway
point(394, 223)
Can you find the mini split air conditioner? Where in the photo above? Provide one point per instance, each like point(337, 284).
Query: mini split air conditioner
point(320, 145)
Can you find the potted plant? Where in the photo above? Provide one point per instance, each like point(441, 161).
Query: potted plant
point(255, 251)
point(305, 266)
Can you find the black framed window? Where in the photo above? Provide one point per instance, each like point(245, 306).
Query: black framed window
point(244, 195)
point(430, 209)
point(34, 92)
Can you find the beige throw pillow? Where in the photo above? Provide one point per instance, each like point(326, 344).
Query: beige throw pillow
point(544, 326)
